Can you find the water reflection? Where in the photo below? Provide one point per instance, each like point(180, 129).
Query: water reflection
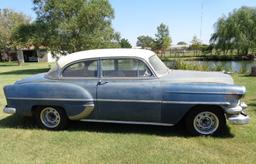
point(231, 66)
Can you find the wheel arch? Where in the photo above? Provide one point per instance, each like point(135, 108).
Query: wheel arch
point(199, 107)
point(214, 110)
point(34, 108)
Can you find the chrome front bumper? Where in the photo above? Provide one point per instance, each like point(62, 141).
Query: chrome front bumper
point(9, 110)
point(239, 119)
point(236, 115)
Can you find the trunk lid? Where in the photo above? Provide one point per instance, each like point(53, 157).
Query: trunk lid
point(33, 78)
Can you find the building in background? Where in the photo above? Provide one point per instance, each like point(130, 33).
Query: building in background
point(179, 49)
point(28, 55)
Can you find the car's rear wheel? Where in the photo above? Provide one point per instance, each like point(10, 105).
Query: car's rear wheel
point(205, 121)
point(51, 118)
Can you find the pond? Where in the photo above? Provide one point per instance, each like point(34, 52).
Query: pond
point(231, 66)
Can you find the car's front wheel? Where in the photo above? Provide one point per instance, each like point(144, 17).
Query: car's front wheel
point(51, 118)
point(205, 121)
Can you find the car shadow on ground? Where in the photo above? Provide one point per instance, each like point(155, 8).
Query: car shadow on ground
point(25, 71)
point(252, 104)
point(17, 122)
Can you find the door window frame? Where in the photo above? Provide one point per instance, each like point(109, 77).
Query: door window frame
point(80, 77)
point(127, 78)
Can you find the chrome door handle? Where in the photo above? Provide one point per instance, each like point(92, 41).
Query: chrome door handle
point(102, 82)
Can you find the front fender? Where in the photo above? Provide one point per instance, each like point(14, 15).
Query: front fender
point(178, 99)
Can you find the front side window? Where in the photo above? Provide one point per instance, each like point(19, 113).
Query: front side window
point(124, 68)
point(81, 69)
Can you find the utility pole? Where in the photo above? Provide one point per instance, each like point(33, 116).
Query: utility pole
point(201, 23)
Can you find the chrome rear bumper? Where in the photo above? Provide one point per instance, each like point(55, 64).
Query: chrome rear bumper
point(9, 110)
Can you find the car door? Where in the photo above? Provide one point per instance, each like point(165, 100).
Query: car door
point(128, 91)
point(85, 74)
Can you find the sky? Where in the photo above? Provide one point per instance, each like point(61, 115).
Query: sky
point(141, 17)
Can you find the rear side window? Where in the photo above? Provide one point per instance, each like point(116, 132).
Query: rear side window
point(124, 68)
point(81, 69)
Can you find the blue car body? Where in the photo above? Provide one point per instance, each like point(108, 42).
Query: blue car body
point(164, 99)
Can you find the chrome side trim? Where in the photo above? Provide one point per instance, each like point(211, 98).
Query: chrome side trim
point(196, 102)
point(48, 99)
point(122, 100)
point(9, 110)
point(165, 102)
point(137, 101)
point(88, 109)
point(127, 122)
point(185, 92)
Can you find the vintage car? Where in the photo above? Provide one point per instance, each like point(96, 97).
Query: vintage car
point(127, 86)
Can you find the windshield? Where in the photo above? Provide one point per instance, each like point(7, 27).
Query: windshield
point(158, 65)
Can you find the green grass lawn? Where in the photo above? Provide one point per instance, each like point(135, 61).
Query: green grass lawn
point(22, 142)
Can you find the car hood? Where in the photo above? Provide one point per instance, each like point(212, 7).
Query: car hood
point(181, 76)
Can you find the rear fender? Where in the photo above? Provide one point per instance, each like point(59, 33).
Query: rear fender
point(73, 98)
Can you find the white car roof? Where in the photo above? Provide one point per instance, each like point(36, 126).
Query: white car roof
point(118, 52)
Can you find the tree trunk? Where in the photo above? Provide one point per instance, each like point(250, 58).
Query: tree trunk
point(253, 71)
point(20, 57)
point(246, 51)
point(9, 56)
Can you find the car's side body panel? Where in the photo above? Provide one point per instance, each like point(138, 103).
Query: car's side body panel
point(148, 100)
point(129, 100)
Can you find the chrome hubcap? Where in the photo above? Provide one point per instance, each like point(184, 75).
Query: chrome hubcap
point(206, 123)
point(50, 117)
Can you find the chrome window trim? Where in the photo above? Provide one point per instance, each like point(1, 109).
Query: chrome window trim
point(79, 78)
point(128, 78)
point(77, 61)
point(99, 72)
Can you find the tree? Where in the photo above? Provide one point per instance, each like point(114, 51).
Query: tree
point(33, 34)
point(9, 21)
point(76, 25)
point(181, 43)
point(196, 44)
point(237, 31)
point(124, 43)
point(116, 40)
point(163, 40)
point(145, 42)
